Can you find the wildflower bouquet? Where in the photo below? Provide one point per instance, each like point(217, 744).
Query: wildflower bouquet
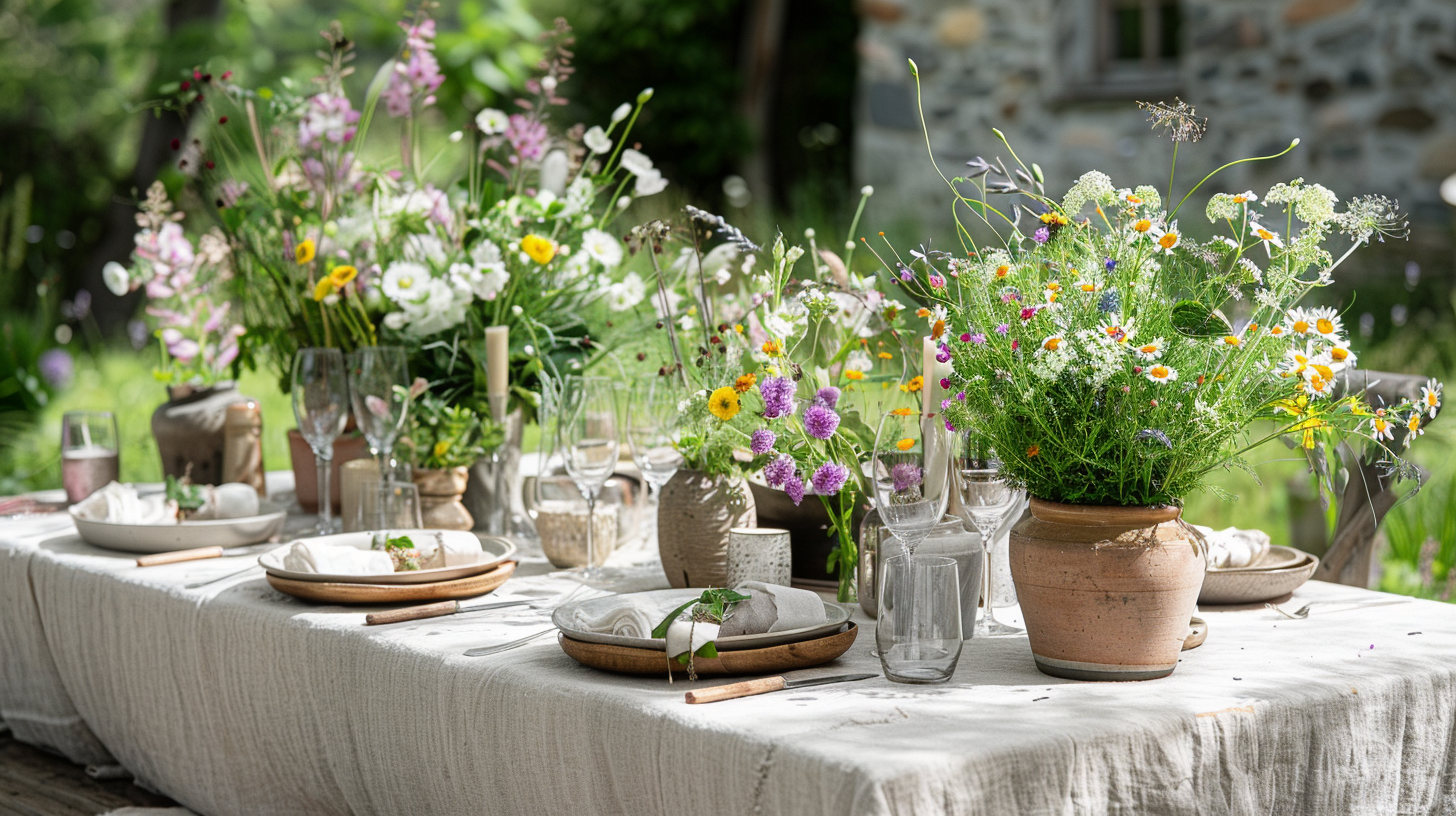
point(184, 288)
point(1110, 359)
point(441, 435)
point(335, 251)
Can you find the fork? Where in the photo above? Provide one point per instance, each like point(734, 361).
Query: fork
point(1303, 612)
point(505, 647)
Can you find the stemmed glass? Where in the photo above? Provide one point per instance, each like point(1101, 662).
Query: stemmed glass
point(378, 386)
point(985, 498)
point(652, 429)
point(911, 476)
point(589, 438)
point(321, 407)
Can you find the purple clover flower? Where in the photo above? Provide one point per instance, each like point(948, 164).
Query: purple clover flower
point(1003, 328)
point(960, 396)
point(978, 339)
point(762, 441)
point(945, 403)
point(950, 426)
point(829, 478)
point(1110, 264)
point(820, 421)
point(778, 397)
point(828, 396)
point(905, 274)
point(965, 337)
point(56, 366)
point(945, 382)
point(905, 476)
point(794, 488)
point(778, 472)
point(1042, 235)
point(943, 355)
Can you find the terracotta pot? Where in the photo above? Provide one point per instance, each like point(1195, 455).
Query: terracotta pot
point(1107, 592)
point(441, 491)
point(347, 448)
point(189, 431)
point(694, 515)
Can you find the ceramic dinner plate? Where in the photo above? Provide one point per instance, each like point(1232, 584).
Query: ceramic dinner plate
point(669, 599)
point(1278, 557)
point(492, 552)
point(160, 538)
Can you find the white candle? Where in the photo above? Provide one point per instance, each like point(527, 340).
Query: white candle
point(497, 368)
point(933, 371)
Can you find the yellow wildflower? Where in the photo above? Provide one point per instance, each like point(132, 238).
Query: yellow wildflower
point(341, 275)
point(745, 382)
point(903, 412)
point(724, 403)
point(324, 288)
point(905, 444)
point(441, 447)
point(916, 383)
point(885, 355)
point(1034, 450)
point(853, 374)
point(772, 348)
point(541, 250)
point(303, 253)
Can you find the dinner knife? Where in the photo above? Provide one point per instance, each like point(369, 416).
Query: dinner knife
point(435, 610)
point(200, 554)
point(764, 685)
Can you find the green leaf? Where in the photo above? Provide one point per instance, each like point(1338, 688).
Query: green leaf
point(660, 631)
point(1193, 319)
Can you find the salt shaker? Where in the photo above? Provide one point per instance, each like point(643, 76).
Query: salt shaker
point(242, 458)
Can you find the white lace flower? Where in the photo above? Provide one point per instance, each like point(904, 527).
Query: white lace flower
point(650, 183)
point(636, 162)
point(404, 280)
point(626, 293)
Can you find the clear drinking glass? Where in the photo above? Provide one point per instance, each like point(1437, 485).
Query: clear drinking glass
point(401, 509)
point(321, 406)
point(652, 430)
point(588, 428)
point(379, 387)
point(911, 474)
point(918, 631)
point(89, 457)
point(985, 500)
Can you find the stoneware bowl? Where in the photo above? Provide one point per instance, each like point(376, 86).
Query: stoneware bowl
point(1253, 586)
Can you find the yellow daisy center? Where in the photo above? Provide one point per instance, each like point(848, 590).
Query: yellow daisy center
point(1324, 326)
point(1142, 225)
point(1301, 326)
point(1169, 240)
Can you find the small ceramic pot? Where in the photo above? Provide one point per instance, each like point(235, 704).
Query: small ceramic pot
point(441, 494)
point(759, 554)
point(189, 429)
point(347, 448)
point(694, 514)
point(1106, 592)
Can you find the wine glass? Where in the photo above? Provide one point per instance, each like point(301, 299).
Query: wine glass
point(321, 406)
point(652, 430)
point(378, 386)
point(588, 429)
point(911, 475)
point(89, 458)
point(985, 499)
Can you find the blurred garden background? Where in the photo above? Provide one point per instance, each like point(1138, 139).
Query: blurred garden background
point(774, 113)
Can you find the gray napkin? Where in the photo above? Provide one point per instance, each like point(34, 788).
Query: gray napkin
point(773, 608)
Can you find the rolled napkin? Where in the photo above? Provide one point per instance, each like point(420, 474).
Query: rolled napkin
point(1232, 547)
point(333, 559)
point(684, 636)
point(227, 501)
point(773, 608)
point(119, 504)
point(629, 617)
point(448, 550)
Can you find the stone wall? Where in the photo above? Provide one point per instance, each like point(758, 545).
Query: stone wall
point(1369, 86)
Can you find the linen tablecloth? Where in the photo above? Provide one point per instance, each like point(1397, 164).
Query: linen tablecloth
point(235, 699)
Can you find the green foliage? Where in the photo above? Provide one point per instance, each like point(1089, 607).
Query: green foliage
point(446, 436)
point(188, 496)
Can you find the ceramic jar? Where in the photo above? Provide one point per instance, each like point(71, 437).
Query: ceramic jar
point(694, 514)
point(441, 493)
point(1106, 592)
point(347, 448)
point(189, 429)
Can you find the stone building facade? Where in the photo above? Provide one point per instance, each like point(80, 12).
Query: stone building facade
point(1369, 86)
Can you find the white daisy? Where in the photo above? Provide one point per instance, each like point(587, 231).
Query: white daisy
point(1431, 397)
point(1167, 239)
point(404, 280)
point(1151, 350)
point(1300, 321)
point(1246, 197)
point(1117, 330)
point(1160, 374)
point(1381, 428)
point(1327, 323)
point(1413, 428)
point(1052, 345)
point(603, 247)
point(1341, 356)
point(1269, 237)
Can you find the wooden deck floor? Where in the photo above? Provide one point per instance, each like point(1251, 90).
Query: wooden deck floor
point(35, 783)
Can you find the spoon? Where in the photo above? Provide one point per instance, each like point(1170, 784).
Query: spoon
point(1303, 612)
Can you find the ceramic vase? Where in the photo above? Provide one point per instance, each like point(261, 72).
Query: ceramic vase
point(1106, 592)
point(441, 494)
point(347, 448)
point(694, 516)
point(189, 431)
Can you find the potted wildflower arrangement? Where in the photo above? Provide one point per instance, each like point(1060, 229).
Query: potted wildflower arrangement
point(444, 441)
point(780, 371)
point(198, 341)
point(1113, 362)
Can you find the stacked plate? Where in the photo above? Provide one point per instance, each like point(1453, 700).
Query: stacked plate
point(738, 654)
point(1275, 574)
point(489, 569)
point(185, 535)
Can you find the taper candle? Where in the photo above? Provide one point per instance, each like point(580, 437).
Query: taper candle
point(497, 368)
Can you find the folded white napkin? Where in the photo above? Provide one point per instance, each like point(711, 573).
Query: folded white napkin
point(628, 617)
point(449, 549)
point(119, 504)
point(333, 559)
point(227, 501)
point(1232, 547)
point(684, 636)
point(773, 608)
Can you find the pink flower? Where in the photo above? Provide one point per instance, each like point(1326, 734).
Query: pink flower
point(327, 119)
point(527, 137)
point(377, 406)
point(936, 281)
